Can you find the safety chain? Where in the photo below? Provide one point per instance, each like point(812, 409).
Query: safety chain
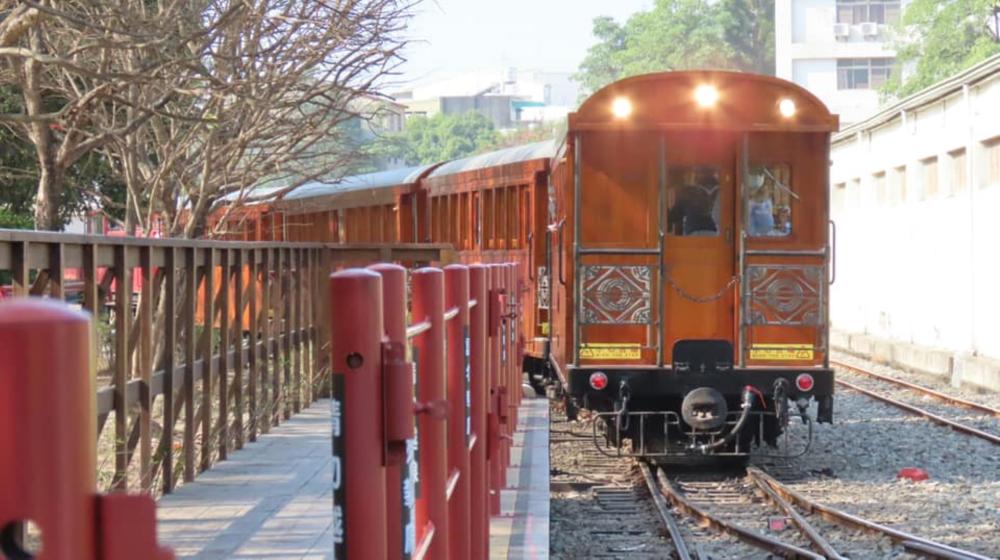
point(703, 299)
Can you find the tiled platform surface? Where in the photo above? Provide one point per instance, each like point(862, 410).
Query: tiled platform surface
point(522, 529)
point(271, 499)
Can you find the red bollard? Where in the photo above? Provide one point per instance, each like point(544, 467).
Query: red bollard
point(401, 460)
point(495, 428)
point(359, 511)
point(432, 505)
point(456, 278)
point(47, 442)
point(478, 479)
point(514, 301)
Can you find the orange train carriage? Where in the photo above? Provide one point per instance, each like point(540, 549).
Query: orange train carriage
point(675, 251)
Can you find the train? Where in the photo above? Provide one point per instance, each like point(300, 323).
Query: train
point(676, 254)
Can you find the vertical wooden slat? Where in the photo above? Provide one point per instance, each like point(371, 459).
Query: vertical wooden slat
point(56, 271)
point(310, 314)
point(253, 328)
point(208, 314)
point(123, 312)
point(277, 322)
point(266, 364)
point(145, 367)
point(296, 303)
point(190, 308)
point(239, 293)
point(288, 295)
point(169, 363)
point(91, 296)
point(21, 268)
point(224, 338)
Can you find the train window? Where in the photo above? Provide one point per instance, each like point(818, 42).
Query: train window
point(770, 204)
point(693, 196)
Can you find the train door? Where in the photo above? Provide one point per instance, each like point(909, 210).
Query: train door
point(699, 250)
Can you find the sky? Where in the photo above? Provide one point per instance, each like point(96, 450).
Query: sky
point(453, 36)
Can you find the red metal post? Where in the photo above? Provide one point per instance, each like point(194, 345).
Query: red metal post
point(456, 279)
point(432, 504)
point(479, 480)
point(359, 511)
point(495, 434)
point(401, 462)
point(514, 299)
point(47, 441)
point(47, 434)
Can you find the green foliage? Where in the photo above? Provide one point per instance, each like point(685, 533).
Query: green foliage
point(439, 138)
point(939, 38)
point(91, 180)
point(680, 35)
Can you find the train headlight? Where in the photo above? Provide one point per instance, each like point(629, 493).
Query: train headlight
point(804, 382)
point(787, 108)
point(706, 96)
point(621, 107)
point(598, 381)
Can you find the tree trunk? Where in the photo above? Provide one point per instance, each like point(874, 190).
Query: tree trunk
point(47, 201)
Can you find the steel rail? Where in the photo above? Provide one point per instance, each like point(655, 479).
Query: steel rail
point(958, 426)
point(680, 546)
point(919, 388)
point(804, 526)
point(913, 543)
point(748, 536)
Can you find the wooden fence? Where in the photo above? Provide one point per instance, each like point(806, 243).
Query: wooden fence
point(216, 342)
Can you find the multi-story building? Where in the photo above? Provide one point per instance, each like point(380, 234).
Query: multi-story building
point(510, 98)
point(838, 49)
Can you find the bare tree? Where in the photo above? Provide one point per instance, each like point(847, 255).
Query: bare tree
point(268, 102)
point(194, 99)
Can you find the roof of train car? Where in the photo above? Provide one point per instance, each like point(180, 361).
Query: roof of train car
point(537, 150)
point(379, 179)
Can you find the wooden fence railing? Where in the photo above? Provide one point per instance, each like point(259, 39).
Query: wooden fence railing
point(212, 344)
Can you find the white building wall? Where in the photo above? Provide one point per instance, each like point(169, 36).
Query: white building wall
point(923, 268)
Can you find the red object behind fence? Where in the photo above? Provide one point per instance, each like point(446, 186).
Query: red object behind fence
point(47, 443)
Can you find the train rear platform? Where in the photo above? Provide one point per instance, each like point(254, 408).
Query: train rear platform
point(272, 499)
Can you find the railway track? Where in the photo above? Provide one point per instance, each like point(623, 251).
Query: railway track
point(600, 505)
point(796, 527)
point(978, 420)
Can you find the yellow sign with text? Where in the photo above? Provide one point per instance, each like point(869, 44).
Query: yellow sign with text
point(781, 352)
point(610, 351)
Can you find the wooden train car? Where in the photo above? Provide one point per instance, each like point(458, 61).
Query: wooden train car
point(675, 249)
point(693, 249)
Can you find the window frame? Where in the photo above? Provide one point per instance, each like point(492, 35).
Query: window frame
point(861, 11)
point(851, 72)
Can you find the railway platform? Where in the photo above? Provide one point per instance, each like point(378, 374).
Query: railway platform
point(521, 531)
point(272, 498)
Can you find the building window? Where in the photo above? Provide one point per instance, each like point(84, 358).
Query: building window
point(959, 177)
point(880, 188)
point(839, 196)
point(991, 155)
point(898, 187)
point(863, 73)
point(868, 11)
point(929, 176)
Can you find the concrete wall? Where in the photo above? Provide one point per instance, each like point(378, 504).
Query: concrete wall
point(915, 266)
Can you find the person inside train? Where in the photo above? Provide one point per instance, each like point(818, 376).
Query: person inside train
point(696, 207)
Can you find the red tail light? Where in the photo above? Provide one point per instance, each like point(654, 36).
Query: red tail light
point(598, 381)
point(804, 382)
